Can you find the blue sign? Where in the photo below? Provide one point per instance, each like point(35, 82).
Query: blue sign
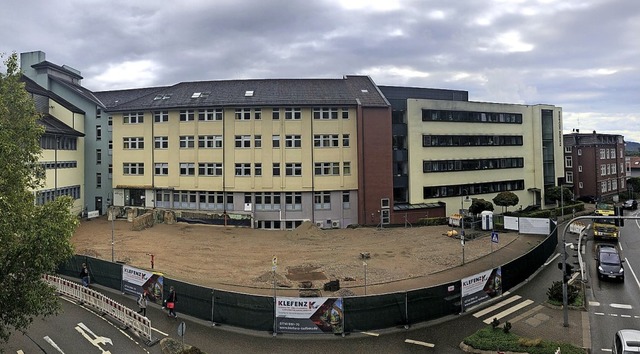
point(494, 237)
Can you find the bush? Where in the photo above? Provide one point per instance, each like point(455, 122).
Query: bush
point(555, 293)
point(433, 221)
point(507, 327)
point(491, 340)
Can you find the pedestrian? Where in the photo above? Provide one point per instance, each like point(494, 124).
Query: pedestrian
point(142, 303)
point(171, 302)
point(84, 275)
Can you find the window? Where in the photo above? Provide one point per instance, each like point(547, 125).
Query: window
point(243, 169)
point(267, 201)
point(110, 171)
point(133, 118)
point(325, 113)
point(98, 156)
point(210, 141)
point(210, 169)
point(608, 169)
point(275, 113)
point(109, 122)
point(275, 141)
point(579, 152)
point(98, 180)
point(211, 200)
point(257, 113)
point(276, 168)
point(580, 185)
point(210, 114)
point(567, 149)
point(568, 162)
point(257, 141)
point(346, 200)
point(187, 142)
point(603, 186)
point(243, 114)
point(257, 170)
point(292, 113)
point(293, 201)
point(161, 116)
point(98, 132)
point(325, 140)
point(161, 142)
point(346, 168)
point(293, 169)
point(345, 140)
point(187, 169)
point(132, 143)
point(345, 113)
point(326, 168)
point(243, 141)
point(580, 168)
point(602, 154)
point(133, 168)
point(606, 153)
point(110, 146)
point(187, 115)
point(613, 153)
point(292, 141)
point(569, 177)
point(603, 170)
point(161, 169)
point(613, 169)
point(614, 184)
point(322, 200)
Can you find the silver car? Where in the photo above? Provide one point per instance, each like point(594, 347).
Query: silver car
point(626, 341)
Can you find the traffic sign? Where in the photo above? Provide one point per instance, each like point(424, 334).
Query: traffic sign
point(494, 237)
point(182, 328)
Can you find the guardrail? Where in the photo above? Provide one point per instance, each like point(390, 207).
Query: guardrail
point(126, 316)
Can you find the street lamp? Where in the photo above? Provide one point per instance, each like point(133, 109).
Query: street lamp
point(462, 221)
point(113, 216)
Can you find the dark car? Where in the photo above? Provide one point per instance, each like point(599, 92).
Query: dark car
point(587, 199)
point(608, 262)
point(630, 204)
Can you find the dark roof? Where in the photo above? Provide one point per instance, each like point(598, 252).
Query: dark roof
point(350, 90)
point(82, 91)
point(49, 65)
point(33, 88)
point(114, 98)
point(54, 126)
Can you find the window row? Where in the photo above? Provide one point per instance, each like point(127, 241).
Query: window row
point(470, 117)
point(49, 165)
point(47, 195)
point(607, 154)
point(240, 141)
point(472, 164)
point(51, 142)
point(240, 169)
point(243, 113)
point(609, 185)
point(472, 189)
point(471, 140)
point(260, 201)
point(608, 169)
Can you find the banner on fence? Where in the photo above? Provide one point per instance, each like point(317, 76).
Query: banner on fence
point(309, 315)
point(135, 281)
point(480, 287)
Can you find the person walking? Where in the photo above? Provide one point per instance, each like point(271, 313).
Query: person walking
point(142, 303)
point(84, 275)
point(171, 302)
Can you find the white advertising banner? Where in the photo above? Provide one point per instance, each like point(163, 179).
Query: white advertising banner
point(480, 287)
point(536, 226)
point(135, 281)
point(309, 315)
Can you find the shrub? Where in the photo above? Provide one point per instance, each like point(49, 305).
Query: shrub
point(507, 327)
point(554, 293)
point(495, 323)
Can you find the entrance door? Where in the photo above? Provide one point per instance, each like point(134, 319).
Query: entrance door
point(99, 205)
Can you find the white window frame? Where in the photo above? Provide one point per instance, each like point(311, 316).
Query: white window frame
point(187, 142)
point(293, 141)
point(187, 169)
point(161, 142)
point(160, 116)
point(133, 143)
point(133, 168)
point(133, 118)
point(210, 169)
point(243, 141)
point(187, 115)
point(209, 141)
point(161, 168)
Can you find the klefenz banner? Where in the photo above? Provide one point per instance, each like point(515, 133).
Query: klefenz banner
point(135, 281)
point(480, 287)
point(309, 315)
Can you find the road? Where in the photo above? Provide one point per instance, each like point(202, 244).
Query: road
point(615, 305)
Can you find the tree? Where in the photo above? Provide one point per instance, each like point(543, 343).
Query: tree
point(553, 194)
point(633, 185)
point(480, 205)
point(34, 239)
point(506, 199)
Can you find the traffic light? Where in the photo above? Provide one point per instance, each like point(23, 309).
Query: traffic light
point(568, 270)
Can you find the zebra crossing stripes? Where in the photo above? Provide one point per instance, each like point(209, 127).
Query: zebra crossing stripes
point(509, 311)
point(496, 306)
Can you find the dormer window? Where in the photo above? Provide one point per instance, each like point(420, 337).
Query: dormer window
point(248, 93)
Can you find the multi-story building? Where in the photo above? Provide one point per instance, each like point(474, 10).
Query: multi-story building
point(62, 146)
point(594, 164)
point(455, 150)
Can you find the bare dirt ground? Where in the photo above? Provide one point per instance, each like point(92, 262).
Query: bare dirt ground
point(240, 259)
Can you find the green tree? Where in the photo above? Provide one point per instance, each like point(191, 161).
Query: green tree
point(633, 184)
point(506, 199)
point(480, 205)
point(33, 239)
point(553, 194)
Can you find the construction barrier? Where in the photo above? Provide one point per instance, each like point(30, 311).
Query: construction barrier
point(129, 318)
point(577, 227)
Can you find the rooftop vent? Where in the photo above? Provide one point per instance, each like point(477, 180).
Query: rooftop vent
point(196, 95)
point(248, 93)
point(364, 91)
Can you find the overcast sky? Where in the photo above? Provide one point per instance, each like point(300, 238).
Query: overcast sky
point(581, 55)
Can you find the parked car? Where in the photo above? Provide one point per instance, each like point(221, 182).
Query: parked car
point(587, 199)
point(608, 262)
point(630, 204)
point(626, 341)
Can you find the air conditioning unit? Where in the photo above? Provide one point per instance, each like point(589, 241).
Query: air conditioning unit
point(319, 224)
point(335, 224)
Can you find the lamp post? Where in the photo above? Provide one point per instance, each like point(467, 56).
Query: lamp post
point(113, 216)
point(462, 222)
point(364, 264)
point(565, 298)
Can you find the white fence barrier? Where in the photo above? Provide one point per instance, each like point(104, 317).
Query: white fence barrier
point(128, 317)
point(577, 227)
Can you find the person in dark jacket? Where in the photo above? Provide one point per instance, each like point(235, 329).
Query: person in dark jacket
point(84, 275)
point(172, 299)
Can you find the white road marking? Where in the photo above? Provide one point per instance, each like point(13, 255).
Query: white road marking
point(632, 272)
point(509, 311)
point(159, 331)
point(498, 305)
point(621, 306)
point(552, 259)
point(53, 344)
point(599, 313)
point(424, 344)
point(605, 350)
point(613, 314)
point(97, 340)
point(371, 334)
point(594, 303)
point(625, 316)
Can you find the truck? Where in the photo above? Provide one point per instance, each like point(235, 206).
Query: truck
point(605, 228)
